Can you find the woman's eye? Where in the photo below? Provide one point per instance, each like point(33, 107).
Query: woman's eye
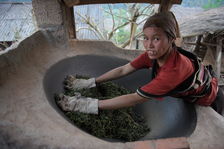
point(156, 39)
point(145, 38)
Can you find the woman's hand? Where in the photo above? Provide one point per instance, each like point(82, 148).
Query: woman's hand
point(78, 103)
point(74, 83)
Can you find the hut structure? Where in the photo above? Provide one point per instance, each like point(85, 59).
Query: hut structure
point(203, 34)
point(34, 69)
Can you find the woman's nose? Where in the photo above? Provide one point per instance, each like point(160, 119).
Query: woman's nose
point(149, 44)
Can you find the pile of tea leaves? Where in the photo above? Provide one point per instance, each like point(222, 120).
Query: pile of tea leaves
point(122, 124)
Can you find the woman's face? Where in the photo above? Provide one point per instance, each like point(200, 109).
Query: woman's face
point(156, 43)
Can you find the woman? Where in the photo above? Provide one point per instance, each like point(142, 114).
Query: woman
point(176, 73)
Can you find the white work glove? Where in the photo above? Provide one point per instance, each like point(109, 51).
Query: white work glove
point(73, 83)
point(78, 103)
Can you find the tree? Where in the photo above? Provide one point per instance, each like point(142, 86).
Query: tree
point(213, 4)
point(127, 19)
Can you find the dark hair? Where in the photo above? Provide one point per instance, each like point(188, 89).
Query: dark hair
point(166, 21)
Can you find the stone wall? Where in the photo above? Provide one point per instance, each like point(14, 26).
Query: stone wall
point(49, 16)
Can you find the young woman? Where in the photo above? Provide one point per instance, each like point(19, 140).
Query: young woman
point(176, 73)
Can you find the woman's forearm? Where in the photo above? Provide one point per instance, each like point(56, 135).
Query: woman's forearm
point(121, 102)
point(115, 73)
point(110, 75)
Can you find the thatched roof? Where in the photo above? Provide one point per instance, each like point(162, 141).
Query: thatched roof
point(182, 13)
point(206, 22)
point(16, 21)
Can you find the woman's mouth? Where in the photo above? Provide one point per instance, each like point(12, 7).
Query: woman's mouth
point(152, 53)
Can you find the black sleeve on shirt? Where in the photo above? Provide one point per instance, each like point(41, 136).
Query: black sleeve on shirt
point(147, 95)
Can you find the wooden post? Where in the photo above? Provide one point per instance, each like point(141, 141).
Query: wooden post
point(197, 48)
point(165, 5)
point(70, 22)
point(218, 56)
point(71, 3)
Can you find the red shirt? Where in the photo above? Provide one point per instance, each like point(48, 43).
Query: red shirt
point(176, 69)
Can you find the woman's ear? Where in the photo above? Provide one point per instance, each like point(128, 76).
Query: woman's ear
point(171, 41)
point(178, 42)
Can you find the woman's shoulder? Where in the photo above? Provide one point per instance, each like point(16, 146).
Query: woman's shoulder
point(183, 57)
point(179, 63)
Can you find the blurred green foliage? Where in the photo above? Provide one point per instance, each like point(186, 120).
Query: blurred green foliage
point(122, 14)
point(206, 4)
point(213, 4)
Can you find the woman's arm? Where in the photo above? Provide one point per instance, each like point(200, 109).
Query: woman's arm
point(121, 102)
point(116, 73)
